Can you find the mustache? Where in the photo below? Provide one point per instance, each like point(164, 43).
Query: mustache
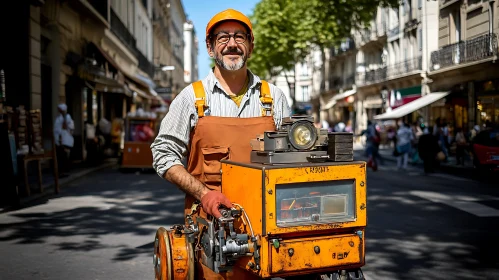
point(232, 52)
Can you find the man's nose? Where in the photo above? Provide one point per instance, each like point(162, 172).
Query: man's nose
point(232, 42)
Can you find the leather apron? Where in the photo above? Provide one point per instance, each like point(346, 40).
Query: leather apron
point(218, 138)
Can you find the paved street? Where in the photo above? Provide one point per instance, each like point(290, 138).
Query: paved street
point(102, 227)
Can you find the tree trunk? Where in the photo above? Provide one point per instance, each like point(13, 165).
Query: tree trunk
point(291, 87)
point(323, 80)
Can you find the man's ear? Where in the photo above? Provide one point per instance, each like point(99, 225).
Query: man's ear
point(252, 45)
point(208, 46)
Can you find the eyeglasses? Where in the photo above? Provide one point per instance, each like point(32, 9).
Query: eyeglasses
point(224, 38)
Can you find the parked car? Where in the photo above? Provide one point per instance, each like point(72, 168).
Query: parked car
point(485, 149)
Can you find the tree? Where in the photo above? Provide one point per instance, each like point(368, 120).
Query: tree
point(286, 30)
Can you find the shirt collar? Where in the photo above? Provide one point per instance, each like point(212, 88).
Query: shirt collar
point(212, 81)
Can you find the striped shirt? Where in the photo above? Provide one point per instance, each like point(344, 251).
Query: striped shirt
point(171, 144)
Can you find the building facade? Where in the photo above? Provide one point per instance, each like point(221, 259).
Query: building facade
point(465, 64)
point(94, 55)
point(382, 67)
point(190, 53)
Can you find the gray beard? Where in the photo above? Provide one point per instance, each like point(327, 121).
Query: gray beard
point(230, 66)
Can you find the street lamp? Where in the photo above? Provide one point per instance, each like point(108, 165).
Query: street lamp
point(167, 68)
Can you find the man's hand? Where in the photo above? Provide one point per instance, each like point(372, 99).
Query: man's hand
point(212, 200)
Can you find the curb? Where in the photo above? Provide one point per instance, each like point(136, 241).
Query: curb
point(49, 188)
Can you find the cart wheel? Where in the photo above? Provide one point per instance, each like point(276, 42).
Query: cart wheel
point(162, 258)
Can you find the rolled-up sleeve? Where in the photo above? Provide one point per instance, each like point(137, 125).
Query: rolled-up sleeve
point(171, 144)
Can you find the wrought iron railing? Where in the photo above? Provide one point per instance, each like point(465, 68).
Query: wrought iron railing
point(475, 49)
point(121, 31)
point(349, 81)
point(404, 67)
point(394, 31)
point(335, 82)
point(371, 77)
point(145, 65)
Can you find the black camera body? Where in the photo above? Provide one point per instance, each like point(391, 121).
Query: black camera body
point(296, 140)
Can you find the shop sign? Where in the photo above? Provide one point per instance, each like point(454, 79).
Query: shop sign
point(399, 97)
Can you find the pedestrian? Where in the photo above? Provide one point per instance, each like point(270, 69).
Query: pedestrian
point(216, 118)
point(373, 140)
point(64, 141)
point(461, 146)
point(428, 149)
point(404, 139)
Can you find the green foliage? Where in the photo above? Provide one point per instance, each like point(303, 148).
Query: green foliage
point(285, 30)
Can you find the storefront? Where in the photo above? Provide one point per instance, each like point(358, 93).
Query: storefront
point(413, 111)
point(96, 91)
point(487, 103)
point(452, 110)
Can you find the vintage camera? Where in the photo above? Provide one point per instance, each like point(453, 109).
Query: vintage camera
point(297, 140)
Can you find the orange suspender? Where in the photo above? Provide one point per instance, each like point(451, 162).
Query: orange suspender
point(265, 98)
point(200, 97)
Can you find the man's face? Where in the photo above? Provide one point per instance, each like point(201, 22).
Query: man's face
point(230, 55)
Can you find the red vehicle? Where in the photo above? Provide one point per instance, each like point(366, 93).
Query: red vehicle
point(485, 148)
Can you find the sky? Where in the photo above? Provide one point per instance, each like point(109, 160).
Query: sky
point(200, 12)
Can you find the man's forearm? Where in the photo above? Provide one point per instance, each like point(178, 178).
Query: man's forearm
point(186, 182)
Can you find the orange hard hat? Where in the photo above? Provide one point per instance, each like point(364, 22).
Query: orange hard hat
point(229, 14)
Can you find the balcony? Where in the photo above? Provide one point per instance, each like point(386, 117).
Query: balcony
point(404, 67)
point(335, 82)
point(121, 31)
point(394, 31)
point(145, 65)
point(371, 77)
point(475, 49)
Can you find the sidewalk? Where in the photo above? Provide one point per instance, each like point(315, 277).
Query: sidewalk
point(450, 167)
point(78, 171)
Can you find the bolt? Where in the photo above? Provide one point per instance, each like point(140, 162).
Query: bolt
point(362, 206)
point(350, 243)
point(291, 252)
point(317, 249)
point(270, 191)
point(362, 183)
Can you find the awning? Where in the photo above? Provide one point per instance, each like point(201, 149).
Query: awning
point(329, 104)
point(139, 92)
point(146, 80)
point(344, 94)
point(412, 106)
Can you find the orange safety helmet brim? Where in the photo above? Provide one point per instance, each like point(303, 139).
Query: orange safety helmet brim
point(229, 14)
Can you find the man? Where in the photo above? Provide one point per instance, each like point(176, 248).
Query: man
point(215, 118)
point(64, 141)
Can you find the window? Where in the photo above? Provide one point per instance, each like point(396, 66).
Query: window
point(420, 4)
point(491, 17)
point(144, 2)
point(304, 93)
point(304, 69)
point(420, 39)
